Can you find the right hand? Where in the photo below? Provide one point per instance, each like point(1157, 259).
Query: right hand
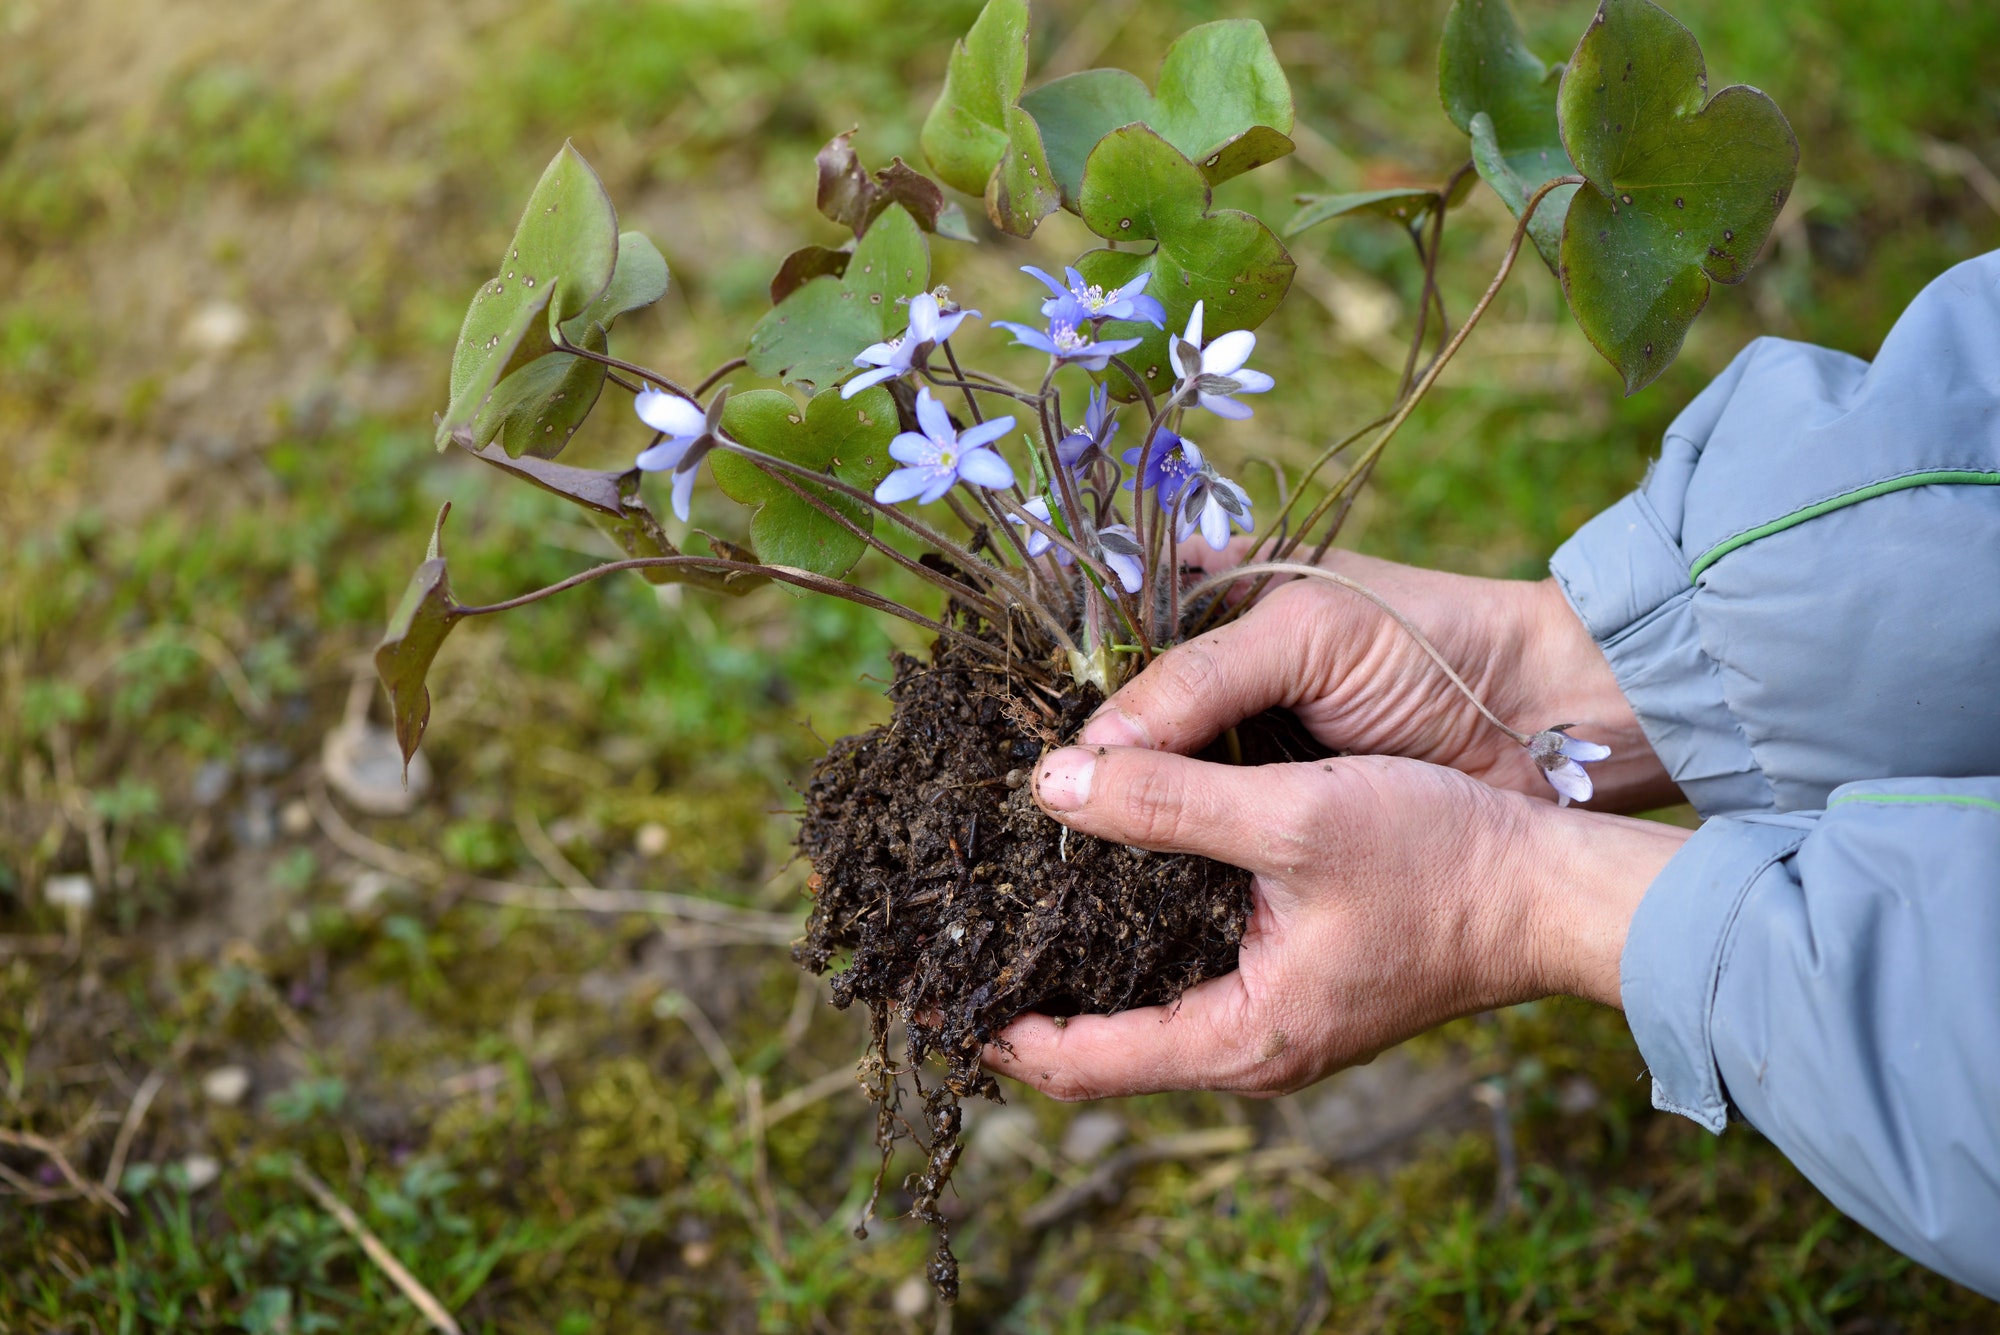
point(1360, 684)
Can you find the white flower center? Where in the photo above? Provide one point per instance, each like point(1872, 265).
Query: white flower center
point(1093, 298)
point(1065, 337)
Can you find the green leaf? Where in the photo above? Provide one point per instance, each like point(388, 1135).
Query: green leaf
point(1408, 205)
point(848, 438)
point(615, 506)
point(562, 257)
point(421, 621)
point(538, 408)
point(1137, 187)
point(1683, 188)
point(812, 336)
point(1502, 95)
point(1222, 100)
point(977, 138)
point(637, 281)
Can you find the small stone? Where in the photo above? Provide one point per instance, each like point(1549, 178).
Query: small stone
point(912, 1298)
point(296, 818)
point(1016, 777)
point(365, 892)
point(1091, 1135)
point(695, 1255)
point(74, 892)
point(1001, 1134)
point(199, 1171)
point(211, 783)
point(216, 326)
point(365, 767)
point(651, 839)
point(225, 1086)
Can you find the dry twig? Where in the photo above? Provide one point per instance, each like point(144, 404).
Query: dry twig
point(376, 1250)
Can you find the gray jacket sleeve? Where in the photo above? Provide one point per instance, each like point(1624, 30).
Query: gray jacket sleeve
point(1802, 603)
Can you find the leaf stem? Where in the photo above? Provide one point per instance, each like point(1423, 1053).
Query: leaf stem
point(732, 364)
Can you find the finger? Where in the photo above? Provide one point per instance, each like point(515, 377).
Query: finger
point(1247, 816)
point(1205, 1040)
point(1196, 691)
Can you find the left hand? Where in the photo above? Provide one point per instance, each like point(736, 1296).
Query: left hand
point(1389, 896)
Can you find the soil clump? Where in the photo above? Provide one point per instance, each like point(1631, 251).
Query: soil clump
point(958, 905)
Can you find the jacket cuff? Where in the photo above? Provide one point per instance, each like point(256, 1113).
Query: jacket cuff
point(1628, 581)
point(1674, 951)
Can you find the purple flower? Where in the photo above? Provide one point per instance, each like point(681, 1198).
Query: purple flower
point(1213, 503)
point(1169, 466)
point(928, 327)
point(1216, 372)
point(1065, 339)
point(942, 456)
point(689, 435)
point(1118, 547)
point(1094, 303)
point(1038, 541)
point(1562, 759)
point(1086, 444)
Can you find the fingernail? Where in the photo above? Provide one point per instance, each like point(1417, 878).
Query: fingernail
point(1062, 782)
point(1110, 727)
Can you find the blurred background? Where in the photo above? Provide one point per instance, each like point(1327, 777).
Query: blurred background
point(236, 242)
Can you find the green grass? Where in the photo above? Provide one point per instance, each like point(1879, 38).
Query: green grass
point(200, 545)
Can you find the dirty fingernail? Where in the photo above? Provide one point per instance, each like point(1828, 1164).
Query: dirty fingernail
point(1062, 781)
point(1110, 727)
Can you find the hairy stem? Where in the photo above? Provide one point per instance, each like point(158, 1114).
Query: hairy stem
point(734, 363)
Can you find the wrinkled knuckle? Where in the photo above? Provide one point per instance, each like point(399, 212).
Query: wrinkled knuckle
point(1194, 670)
point(1150, 806)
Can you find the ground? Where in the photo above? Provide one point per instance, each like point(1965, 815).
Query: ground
point(236, 243)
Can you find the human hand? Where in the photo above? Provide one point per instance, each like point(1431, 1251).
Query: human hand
point(1389, 895)
point(1359, 683)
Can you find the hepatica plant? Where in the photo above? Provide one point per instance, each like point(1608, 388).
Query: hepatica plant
point(861, 431)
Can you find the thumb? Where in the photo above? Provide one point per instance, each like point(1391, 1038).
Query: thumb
point(1196, 691)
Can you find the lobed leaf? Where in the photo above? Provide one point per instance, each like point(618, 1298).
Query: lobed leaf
point(977, 138)
point(562, 257)
point(1408, 205)
point(1684, 188)
point(813, 335)
point(1222, 100)
point(853, 197)
point(416, 631)
point(848, 438)
point(1501, 94)
point(1137, 187)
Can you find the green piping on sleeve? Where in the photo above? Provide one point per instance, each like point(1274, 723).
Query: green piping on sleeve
point(1945, 477)
point(1919, 799)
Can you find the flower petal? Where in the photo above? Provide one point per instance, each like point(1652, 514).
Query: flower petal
point(934, 420)
point(1137, 285)
point(1223, 406)
point(1148, 309)
point(1193, 334)
point(910, 448)
point(903, 484)
point(942, 481)
point(1131, 573)
point(1252, 382)
point(1578, 749)
point(664, 455)
point(1048, 279)
point(670, 413)
point(984, 433)
point(984, 468)
point(1228, 352)
point(868, 379)
point(923, 318)
point(947, 325)
point(1028, 336)
point(1569, 779)
point(1215, 525)
point(683, 488)
point(1112, 347)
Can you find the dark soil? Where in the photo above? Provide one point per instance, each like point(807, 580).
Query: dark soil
point(958, 904)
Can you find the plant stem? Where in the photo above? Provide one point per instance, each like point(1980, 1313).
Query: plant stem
point(564, 345)
point(1267, 568)
point(732, 364)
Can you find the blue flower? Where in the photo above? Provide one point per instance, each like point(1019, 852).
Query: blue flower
point(1123, 303)
point(1213, 503)
point(1065, 339)
point(928, 327)
point(1169, 466)
point(689, 435)
point(1562, 758)
point(1216, 372)
point(1038, 541)
point(1086, 444)
point(942, 456)
point(1118, 547)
